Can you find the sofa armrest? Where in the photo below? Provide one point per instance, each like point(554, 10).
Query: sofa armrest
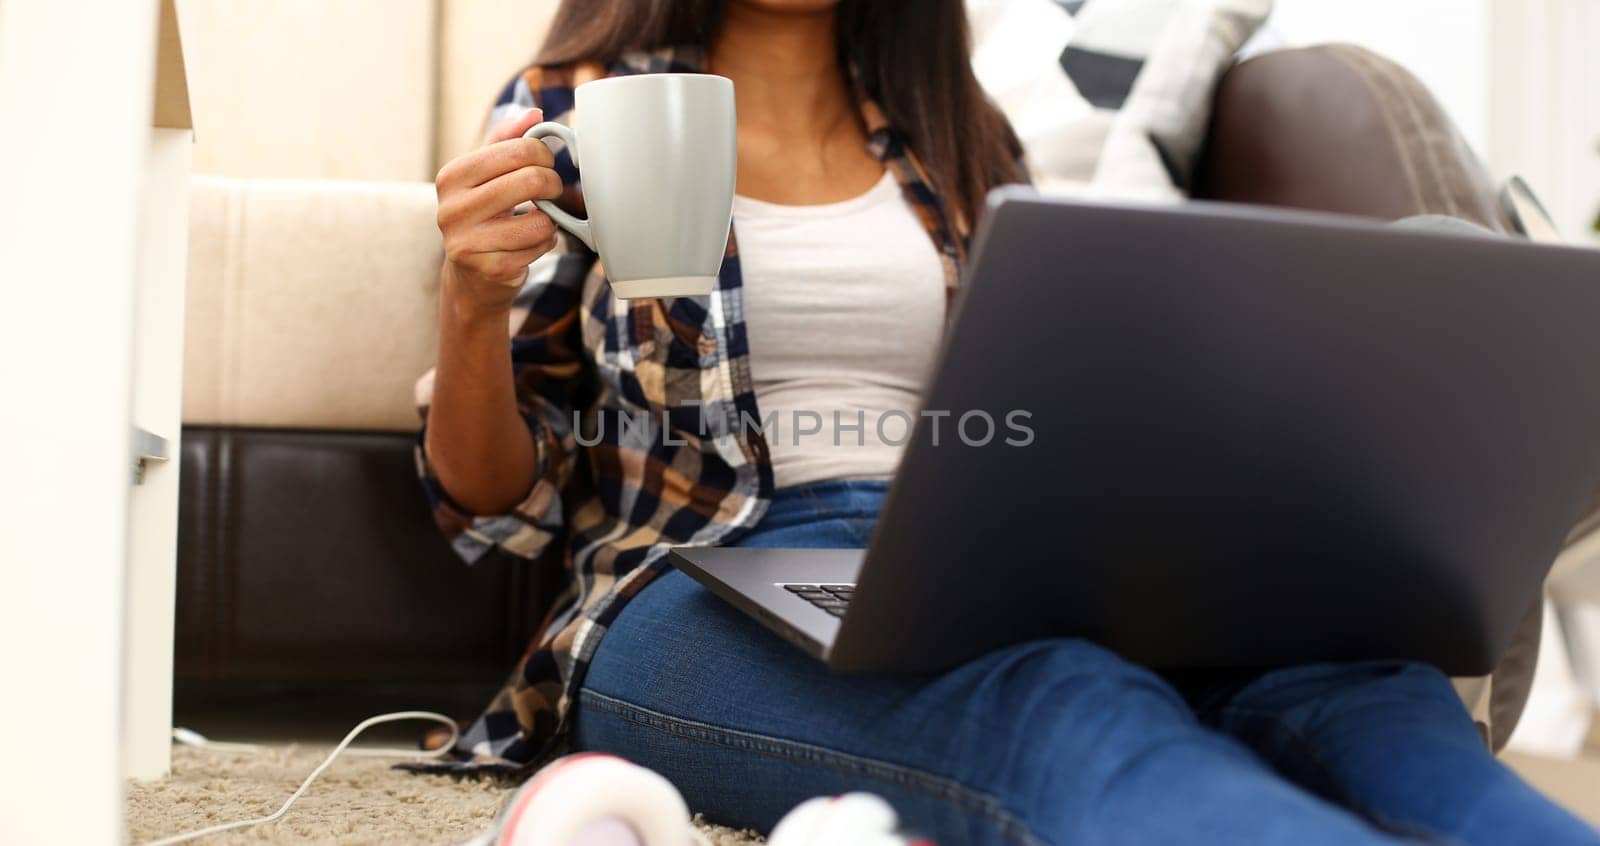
point(1338, 128)
point(306, 553)
point(309, 557)
point(311, 304)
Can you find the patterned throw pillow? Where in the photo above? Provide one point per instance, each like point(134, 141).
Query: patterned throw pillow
point(1110, 97)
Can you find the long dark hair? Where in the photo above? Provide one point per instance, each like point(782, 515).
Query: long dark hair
point(912, 57)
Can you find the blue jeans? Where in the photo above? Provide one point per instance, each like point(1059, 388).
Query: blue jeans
point(1056, 741)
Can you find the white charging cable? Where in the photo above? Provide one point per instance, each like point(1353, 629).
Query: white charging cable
point(195, 739)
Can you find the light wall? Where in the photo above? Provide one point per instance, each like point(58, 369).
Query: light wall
point(1545, 91)
point(481, 44)
point(311, 88)
point(349, 89)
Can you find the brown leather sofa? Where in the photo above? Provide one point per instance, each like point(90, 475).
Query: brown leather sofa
point(306, 553)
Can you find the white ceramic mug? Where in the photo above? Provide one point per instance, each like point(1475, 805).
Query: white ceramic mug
point(658, 160)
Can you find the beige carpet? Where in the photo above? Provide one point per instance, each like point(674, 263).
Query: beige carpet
point(358, 800)
point(362, 800)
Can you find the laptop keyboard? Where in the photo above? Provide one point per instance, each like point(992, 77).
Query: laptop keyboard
point(833, 599)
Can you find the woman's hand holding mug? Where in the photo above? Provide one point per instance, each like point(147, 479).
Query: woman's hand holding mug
point(487, 247)
point(658, 157)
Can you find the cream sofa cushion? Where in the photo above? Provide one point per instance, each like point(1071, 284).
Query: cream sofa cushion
point(311, 304)
point(334, 89)
point(482, 43)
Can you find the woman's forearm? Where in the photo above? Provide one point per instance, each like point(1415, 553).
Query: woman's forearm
point(478, 445)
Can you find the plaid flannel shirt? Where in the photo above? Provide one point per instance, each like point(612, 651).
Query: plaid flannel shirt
point(688, 474)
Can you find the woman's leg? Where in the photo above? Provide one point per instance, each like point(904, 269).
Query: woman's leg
point(1051, 742)
point(1392, 741)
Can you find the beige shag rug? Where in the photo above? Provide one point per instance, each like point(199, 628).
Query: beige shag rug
point(358, 800)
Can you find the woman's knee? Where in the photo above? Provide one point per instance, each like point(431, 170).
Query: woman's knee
point(1037, 706)
point(1072, 727)
point(1349, 700)
point(1353, 684)
point(1067, 671)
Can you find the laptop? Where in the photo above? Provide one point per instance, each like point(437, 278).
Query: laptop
point(1258, 438)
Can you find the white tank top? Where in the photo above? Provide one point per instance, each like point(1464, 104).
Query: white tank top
point(845, 307)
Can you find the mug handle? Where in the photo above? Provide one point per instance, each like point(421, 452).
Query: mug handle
point(577, 226)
